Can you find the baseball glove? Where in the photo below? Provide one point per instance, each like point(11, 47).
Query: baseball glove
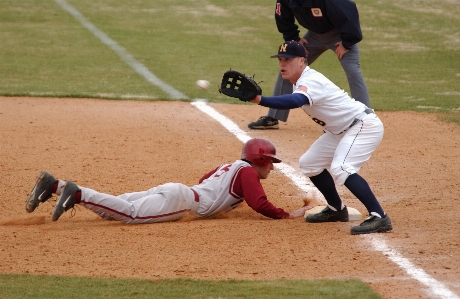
point(237, 85)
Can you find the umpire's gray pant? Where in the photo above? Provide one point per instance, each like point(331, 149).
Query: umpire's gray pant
point(317, 45)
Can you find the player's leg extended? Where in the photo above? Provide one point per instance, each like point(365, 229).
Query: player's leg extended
point(170, 202)
point(314, 164)
point(354, 149)
point(361, 140)
point(167, 202)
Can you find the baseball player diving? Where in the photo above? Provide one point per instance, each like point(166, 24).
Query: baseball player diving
point(220, 190)
point(352, 132)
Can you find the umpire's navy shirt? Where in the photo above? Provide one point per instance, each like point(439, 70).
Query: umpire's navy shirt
point(319, 16)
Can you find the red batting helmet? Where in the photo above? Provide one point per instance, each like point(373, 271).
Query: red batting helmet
point(260, 152)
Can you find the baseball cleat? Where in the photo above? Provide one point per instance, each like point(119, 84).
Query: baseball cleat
point(41, 192)
point(264, 122)
point(66, 201)
point(328, 215)
point(372, 224)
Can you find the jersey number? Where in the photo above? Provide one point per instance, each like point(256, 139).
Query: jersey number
point(222, 170)
point(319, 122)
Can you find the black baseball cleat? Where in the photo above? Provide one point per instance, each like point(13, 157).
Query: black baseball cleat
point(263, 123)
point(328, 215)
point(372, 224)
point(66, 201)
point(41, 192)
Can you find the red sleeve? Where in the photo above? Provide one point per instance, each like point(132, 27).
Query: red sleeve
point(207, 175)
point(248, 185)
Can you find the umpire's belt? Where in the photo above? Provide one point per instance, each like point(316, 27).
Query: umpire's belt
point(197, 197)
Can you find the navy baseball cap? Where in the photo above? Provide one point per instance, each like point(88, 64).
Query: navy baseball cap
point(291, 49)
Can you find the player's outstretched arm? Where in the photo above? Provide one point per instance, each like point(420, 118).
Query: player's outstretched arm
point(299, 212)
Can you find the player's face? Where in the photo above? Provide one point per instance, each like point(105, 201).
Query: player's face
point(291, 68)
point(264, 171)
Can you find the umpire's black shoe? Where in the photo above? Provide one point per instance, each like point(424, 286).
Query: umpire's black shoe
point(328, 215)
point(372, 224)
point(263, 123)
point(66, 201)
point(41, 192)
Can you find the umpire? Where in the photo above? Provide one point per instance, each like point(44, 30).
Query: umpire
point(330, 24)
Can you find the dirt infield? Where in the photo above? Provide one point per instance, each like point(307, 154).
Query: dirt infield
point(123, 146)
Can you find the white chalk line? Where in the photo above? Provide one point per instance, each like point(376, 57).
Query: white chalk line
point(436, 288)
point(121, 52)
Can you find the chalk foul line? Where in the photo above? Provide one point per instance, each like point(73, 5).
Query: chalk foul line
point(121, 52)
point(435, 287)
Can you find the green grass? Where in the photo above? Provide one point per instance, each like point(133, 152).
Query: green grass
point(48, 53)
point(409, 54)
point(31, 286)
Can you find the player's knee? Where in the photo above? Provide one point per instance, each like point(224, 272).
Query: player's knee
point(307, 167)
point(340, 173)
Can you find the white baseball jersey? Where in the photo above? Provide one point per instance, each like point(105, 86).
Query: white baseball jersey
point(330, 106)
point(217, 192)
point(353, 131)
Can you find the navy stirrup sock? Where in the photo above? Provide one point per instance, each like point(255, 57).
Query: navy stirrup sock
point(360, 188)
point(325, 184)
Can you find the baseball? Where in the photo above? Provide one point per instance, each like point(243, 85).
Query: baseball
point(203, 84)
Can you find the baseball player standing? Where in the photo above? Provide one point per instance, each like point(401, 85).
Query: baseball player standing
point(220, 190)
point(331, 24)
point(352, 132)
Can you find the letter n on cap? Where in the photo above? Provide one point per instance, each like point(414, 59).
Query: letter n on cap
point(283, 48)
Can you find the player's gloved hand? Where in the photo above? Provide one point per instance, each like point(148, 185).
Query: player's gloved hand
point(238, 85)
point(299, 212)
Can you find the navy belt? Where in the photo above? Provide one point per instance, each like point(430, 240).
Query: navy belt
point(197, 197)
point(369, 111)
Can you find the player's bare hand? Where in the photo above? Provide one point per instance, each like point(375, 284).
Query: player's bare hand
point(304, 42)
point(340, 50)
point(299, 212)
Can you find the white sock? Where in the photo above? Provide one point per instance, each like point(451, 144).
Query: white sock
point(376, 214)
point(335, 210)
